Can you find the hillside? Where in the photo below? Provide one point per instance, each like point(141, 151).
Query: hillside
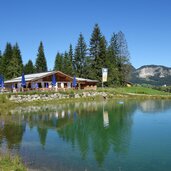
point(152, 74)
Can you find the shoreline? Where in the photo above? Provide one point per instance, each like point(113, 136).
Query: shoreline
point(11, 101)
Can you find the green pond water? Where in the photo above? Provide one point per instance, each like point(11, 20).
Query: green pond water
point(118, 135)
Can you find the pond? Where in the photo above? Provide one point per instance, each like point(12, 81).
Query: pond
point(121, 135)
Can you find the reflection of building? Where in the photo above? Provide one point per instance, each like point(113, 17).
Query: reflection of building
point(44, 80)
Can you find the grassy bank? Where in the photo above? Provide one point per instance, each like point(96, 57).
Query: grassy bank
point(11, 163)
point(135, 91)
point(6, 105)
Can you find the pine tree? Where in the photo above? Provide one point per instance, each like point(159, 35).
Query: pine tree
point(122, 46)
point(15, 67)
point(58, 62)
point(1, 69)
point(98, 53)
point(113, 75)
point(123, 57)
point(80, 57)
point(66, 64)
point(94, 42)
point(29, 67)
point(71, 58)
point(7, 56)
point(41, 65)
point(103, 52)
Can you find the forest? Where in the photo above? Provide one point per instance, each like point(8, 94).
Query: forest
point(82, 60)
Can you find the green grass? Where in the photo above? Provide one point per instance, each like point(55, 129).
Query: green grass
point(9, 163)
point(135, 91)
point(141, 90)
point(5, 103)
point(3, 98)
point(118, 90)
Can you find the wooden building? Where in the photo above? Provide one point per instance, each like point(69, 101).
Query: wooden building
point(44, 80)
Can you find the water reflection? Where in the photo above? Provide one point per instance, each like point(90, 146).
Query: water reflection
point(105, 119)
point(97, 129)
point(12, 134)
point(42, 135)
point(151, 106)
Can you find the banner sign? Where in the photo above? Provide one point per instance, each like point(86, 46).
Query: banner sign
point(104, 74)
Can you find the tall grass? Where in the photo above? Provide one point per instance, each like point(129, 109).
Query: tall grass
point(11, 163)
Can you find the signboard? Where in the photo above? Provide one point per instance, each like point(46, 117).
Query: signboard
point(104, 74)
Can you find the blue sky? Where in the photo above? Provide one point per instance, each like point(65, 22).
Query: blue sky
point(146, 24)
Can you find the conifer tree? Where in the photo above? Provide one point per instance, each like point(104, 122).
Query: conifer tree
point(112, 51)
point(122, 46)
point(7, 56)
point(80, 57)
point(123, 57)
point(66, 64)
point(29, 67)
point(1, 70)
point(71, 58)
point(41, 65)
point(15, 67)
point(58, 62)
point(103, 52)
point(97, 53)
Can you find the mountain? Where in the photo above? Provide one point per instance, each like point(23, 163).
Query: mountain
point(156, 75)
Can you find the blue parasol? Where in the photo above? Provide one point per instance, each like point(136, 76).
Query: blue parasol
point(0, 80)
point(74, 82)
point(32, 85)
point(37, 86)
point(2, 83)
point(23, 81)
point(53, 80)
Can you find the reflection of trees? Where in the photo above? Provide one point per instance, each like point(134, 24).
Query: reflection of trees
point(100, 138)
point(120, 125)
point(89, 132)
point(13, 134)
point(42, 135)
point(48, 118)
point(42, 120)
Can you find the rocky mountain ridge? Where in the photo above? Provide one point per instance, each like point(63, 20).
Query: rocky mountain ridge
point(157, 75)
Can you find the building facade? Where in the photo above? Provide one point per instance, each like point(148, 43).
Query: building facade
point(44, 81)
